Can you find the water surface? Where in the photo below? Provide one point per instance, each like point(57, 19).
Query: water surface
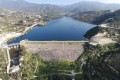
point(62, 29)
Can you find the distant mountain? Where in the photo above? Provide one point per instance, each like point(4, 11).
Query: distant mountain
point(22, 5)
point(43, 8)
point(90, 6)
point(14, 4)
point(48, 8)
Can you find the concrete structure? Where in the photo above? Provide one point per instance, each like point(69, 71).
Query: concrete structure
point(56, 50)
point(13, 58)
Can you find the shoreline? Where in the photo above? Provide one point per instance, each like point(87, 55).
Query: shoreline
point(13, 35)
point(100, 38)
point(7, 37)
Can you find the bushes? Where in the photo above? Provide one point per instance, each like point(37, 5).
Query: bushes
point(98, 59)
point(92, 32)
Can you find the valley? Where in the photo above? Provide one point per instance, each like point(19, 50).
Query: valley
point(52, 42)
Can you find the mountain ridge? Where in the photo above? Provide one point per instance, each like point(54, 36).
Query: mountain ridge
point(76, 7)
point(91, 6)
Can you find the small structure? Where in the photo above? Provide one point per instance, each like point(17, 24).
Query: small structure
point(104, 25)
point(21, 23)
point(13, 58)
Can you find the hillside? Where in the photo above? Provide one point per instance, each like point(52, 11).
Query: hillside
point(14, 4)
point(13, 21)
point(101, 62)
point(82, 6)
point(43, 9)
point(112, 20)
point(98, 17)
point(85, 6)
point(61, 61)
point(46, 10)
point(106, 17)
point(90, 16)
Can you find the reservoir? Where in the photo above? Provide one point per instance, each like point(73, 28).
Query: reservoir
point(62, 29)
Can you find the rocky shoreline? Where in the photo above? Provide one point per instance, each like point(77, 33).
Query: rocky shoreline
point(7, 37)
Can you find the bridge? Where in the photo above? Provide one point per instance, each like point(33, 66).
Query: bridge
point(14, 45)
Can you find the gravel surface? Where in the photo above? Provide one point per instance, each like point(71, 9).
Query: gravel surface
point(56, 51)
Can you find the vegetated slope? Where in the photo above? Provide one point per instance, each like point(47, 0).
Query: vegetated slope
point(46, 10)
point(92, 32)
point(107, 16)
point(97, 17)
point(112, 20)
point(101, 62)
point(14, 21)
point(89, 16)
point(97, 63)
